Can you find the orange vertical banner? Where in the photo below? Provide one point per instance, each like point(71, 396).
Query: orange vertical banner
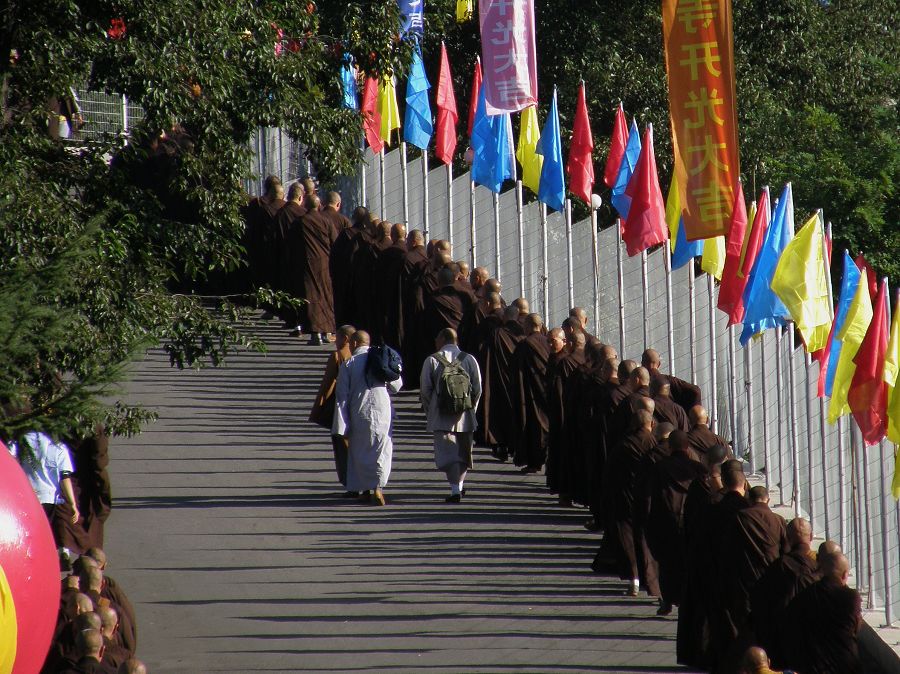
point(699, 47)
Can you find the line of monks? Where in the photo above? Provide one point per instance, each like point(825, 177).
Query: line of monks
point(623, 439)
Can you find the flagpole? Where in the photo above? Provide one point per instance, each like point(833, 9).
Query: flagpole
point(670, 319)
point(569, 262)
point(544, 273)
point(645, 299)
point(620, 278)
point(713, 356)
point(823, 429)
point(792, 421)
point(381, 180)
point(867, 522)
point(363, 187)
point(520, 231)
point(692, 309)
point(449, 202)
point(403, 175)
point(842, 487)
point(732, 384)
point(809, 445)
point(595, 263)
point(496, 236)
point(765, 410)
point(472, 248)
point(857, 510)
point(426, 225)
point(748, 388)
point(885, 506)
point(779, 384)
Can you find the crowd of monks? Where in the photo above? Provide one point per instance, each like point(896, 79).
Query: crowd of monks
point(96, 631)
point(619, 437)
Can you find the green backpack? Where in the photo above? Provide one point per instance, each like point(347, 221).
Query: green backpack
point(454, 389)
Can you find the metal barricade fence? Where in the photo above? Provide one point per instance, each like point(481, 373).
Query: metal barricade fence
point(774, 420)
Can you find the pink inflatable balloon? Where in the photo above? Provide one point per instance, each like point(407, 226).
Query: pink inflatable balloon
point(29, 561)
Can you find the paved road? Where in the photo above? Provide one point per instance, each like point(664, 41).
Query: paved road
point(231, 540)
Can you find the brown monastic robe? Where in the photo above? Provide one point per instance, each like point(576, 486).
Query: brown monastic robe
point(286, 220)
point(531, 361)
point(683, 392)
point(620, 483)
point(322, 412)
point(560, 371)
point(127, 620)
point(93, 494)
point(338, 220)
point(414, 263)
point(783, 580)
point(261, 237)
point(389, 271)
point(669, 483)
point(446, 308)
point(701, 439)
point(824, 620)
point(585, 432)
point(315, 237)
point(341, 268)
point(668, 411)
point(499, 379)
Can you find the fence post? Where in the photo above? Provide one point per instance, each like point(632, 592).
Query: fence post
point(692, 310)
point(809, 444)
point(645, 298)
point(520, 232)
point(842, 484)
point(792, 421)
point(544, 270)
point(426, 225)
point(779, 398)
point(748, 388)
point(496, 197)
point(713, 356)
point(670, 319)
point(885, 551)
point(449, 206)
point(381, 180)
point(765, 410)
point(569, 262)
point(595, 269)
point(363, 187)
point(473, 247)
point(124, 115)
point(732, 385)
point(403, 174)
point(867, 523)
point(620, 277)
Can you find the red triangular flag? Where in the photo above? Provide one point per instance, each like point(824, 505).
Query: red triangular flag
point(580, 168)
point(447, 117)
point(370, 115)
point(868, 390)
point(864, 265)
point(731, 289)
point(646, 224)
point(616, 148)
point(473, 98)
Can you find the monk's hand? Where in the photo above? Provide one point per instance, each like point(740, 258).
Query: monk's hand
point(75, 514)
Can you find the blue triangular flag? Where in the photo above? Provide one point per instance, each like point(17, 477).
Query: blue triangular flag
point(418, 125)
point(552, 189)
point(350, 96)
point(685, 250)
point(621, 201)
point(491, 161)
point(848, 289)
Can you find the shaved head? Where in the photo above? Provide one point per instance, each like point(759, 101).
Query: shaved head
point(494, 300)
point(650, 359)
point(678, 441)
point(698, 415)
point(799, 532)
point(360, 338)
point(492, 285)
point(398, 232)
point(578, 341)
point(641, 376)
point(90, 642)
point(522, 305)
point(479, 277)
point(97, 554)
point(644, 419)
point(132, 666)
point(534, 322)
point(754, 660)
point(758, 494)
point(626, 367)
point(83, 603)
point(664, 430)
point(511, 313)
point(415, 238)
point(579, 314)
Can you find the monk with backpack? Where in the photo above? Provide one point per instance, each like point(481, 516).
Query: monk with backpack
point(449, 388)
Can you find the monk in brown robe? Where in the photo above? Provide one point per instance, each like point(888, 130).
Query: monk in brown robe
point(521, 304)
point(113, 592)
point(693, 646)
point(783, 580)
point(751, 540)
point(331, 211)
point(341, 265)
point(93, 494)
point(478, 280)
point(823, 624)
point(639, 391)
point(556, 341)
point(531, 358)
point(311, 242)
point(499, 381)
point(481, 306)
point(567, 457)
point(620, 484)
point(322, 412)
point(700, 435)
point(670, 481)
point(389, 272)
point(363, 285)
point(666, 409)
point(290, 275)
point(448, 307)
point(580, 315)
point(414, 263)
point(602, 401)
point(683, 393)
point(260, 234)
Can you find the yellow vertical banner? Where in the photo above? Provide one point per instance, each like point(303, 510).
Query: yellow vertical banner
point(699, 49)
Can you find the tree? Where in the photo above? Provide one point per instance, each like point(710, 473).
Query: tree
point(818, 85)
point(98, 239)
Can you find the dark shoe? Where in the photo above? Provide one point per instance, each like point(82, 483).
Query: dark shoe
point(592, 525)
point(664, 608)
point(296, 332)
point(565, 502)
point(350, 494)
point(530, 470)
point(315, 340)
point(453, 498)
point(364, 496)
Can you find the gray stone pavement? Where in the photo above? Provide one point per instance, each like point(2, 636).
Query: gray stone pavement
point(229, 535)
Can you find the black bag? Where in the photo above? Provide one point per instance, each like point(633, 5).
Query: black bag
point(383, 365)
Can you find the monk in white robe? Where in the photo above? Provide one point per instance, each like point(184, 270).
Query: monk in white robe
point(363, 415)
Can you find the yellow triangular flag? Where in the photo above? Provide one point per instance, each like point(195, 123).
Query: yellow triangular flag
point(851, 335)
point(531, 161)
point(713, 261)
point(673, 211)
point(464, 10)
point(388, 108)
point(799, 281)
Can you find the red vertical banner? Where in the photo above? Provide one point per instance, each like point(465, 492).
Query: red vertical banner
point(699, 48)
point(508, 55)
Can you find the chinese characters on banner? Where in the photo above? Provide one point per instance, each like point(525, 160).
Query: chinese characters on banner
point(509, 55)
point(700, 65)
point(411, 20)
